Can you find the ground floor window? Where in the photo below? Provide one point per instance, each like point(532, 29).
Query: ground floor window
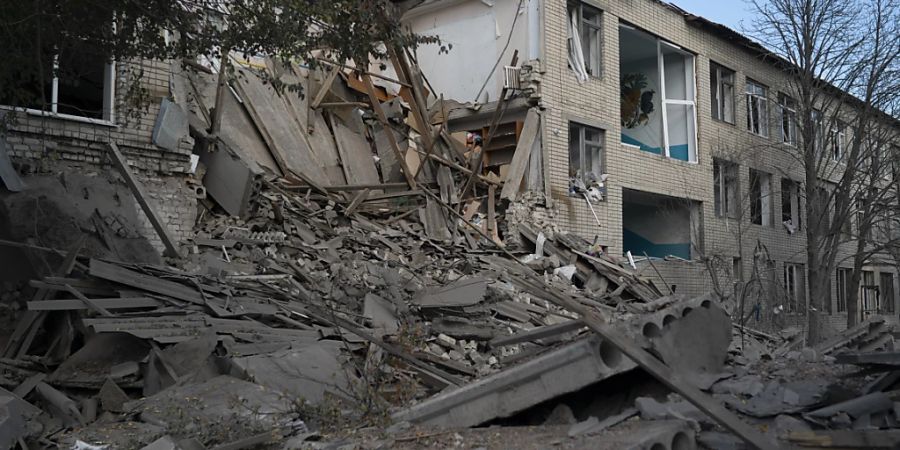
point(886, 292)
point(843, 289)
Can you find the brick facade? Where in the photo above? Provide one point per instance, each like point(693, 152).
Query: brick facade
point(596, 103)
point(42, 144)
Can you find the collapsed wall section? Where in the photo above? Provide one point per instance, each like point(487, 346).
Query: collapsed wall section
point(43, 143)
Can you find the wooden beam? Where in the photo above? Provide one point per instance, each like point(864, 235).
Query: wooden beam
point(521, 156)
point(389, 132)
point(357, 200)
point(141, 196)
point(91, 304)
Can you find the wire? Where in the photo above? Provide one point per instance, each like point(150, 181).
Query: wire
point(505, 47)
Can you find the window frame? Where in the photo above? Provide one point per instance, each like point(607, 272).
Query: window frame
point(764, 199)
point(109, 99)
point(583, 144)
point(761, 100)
point(838, 138)
point(795, 206)
point(579, 7)
point(795, 291)
point(717, 96)
point(723, 172)
point(886, 302)
point(842, 276)
point(786, 103)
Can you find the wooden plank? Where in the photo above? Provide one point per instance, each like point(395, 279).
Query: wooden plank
point(311, 124)
point(138, 280)
point(97, 308)
point(26, 329)
point(279, 130)
point(357, 200)
point(522, 155)
point(356, 155)
point(107, 303)
point(388, 132)
point(663, 373)
point(846, 439)
point(141, 196)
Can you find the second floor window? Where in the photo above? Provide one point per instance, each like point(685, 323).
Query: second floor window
point(721, 84)
point(584, 35)
point(757, 109)
point(787, 108)
point(837, 141)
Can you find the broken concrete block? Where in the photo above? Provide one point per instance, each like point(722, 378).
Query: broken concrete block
point(112, 397)
point(163, 443)
point(561, 415)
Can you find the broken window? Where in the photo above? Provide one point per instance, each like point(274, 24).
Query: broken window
point(585, 155)
point(760, 198)
point(794, 287)
point(757, 109)
point(843, 289)
point(886, 292)
point(818, 134)
point(868, 293)
point(725, 179)
point(584, 40)
point(787, 108)
point(790, 205)
point(657, 89)
point(78, 83)
point(721, 82)
point(838, 139)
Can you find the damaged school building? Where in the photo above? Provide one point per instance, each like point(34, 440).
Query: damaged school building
point(675, 120)
point(517, 252)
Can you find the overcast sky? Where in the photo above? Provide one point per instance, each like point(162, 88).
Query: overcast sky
point(726, 12)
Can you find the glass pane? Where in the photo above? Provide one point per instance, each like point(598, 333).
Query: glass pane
point(593, 159)
point(590, 46)
point(676, 83)
point(680, 131)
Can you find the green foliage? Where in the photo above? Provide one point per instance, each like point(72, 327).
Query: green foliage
point(34, 31)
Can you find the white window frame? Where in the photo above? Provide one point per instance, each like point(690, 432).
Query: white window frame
point(842, 278)
point(868, 294)
point(838, 137)
point(789, 135)
point(721, 73)
point(109, 99)
point(794, 288)
point(760, 99)
point(728, 206)
point(582, 145)
point(794, 198)
point(690, 76)
point(589, 65)
point(765, 197)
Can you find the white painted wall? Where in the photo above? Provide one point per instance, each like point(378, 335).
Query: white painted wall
point(477, 31)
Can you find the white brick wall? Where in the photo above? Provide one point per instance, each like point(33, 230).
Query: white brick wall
point(597, 102)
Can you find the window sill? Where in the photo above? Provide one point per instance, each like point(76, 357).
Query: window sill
point(725, 122)
point(66, 117)
point(763, 136)
point(658, 155)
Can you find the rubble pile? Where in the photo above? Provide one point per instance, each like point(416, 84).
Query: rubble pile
point(356, 278)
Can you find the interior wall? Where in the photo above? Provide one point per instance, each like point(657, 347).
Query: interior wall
point(639, 55)
point(474, 34)
point(656, 224)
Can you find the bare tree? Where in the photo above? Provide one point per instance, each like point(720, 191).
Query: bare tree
point(841, 58)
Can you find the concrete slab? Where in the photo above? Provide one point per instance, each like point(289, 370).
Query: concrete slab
point(560, 371)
